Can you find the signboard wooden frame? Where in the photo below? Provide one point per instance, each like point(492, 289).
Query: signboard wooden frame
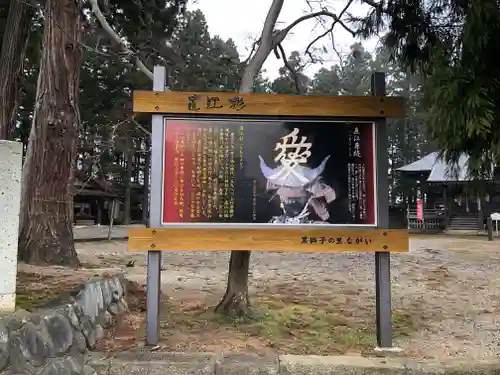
point(378, 238)
point(221, 106)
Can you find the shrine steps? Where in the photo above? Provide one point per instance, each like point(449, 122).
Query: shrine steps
point(463, 225)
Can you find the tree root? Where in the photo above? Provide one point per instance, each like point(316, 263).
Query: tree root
point(235, 305)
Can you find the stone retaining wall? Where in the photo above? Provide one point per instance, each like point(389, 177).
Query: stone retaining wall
point(55, 340)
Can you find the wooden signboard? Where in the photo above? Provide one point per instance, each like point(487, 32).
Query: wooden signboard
point(229, 180)
point(272, 173)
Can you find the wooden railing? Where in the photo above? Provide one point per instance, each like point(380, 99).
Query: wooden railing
point(434, 220)
point(428, 213)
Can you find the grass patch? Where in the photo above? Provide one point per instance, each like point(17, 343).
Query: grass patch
point(34, 290)
point(301, 329)
point(308, 329)
point(288, 320)
point(33, 301)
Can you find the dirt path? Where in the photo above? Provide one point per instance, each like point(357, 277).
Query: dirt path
point(447, 289)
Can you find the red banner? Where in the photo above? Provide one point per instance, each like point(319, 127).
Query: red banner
point(420, 210)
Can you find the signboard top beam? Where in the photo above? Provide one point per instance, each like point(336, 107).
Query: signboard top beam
point(257, 104)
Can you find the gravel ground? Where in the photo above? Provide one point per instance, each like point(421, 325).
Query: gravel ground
point(449, 284)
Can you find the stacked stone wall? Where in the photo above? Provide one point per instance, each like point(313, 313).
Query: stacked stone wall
point(55, 340)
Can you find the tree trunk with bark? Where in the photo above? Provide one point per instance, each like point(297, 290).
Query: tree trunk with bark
point(236, 301)
point(14, 43)
point(46, 235)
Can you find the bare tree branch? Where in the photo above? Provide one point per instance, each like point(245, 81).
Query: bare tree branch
point(308, 50)
point(105, 25)
point(281, 34)
point(341, 59)
point(127, 51)
point(134, 121)
point(327, 32)
point(279, 50)
point(95, 163)
point(250, 55)
point(116, 126)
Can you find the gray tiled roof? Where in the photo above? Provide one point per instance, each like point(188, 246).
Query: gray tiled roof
point(421, 165)
point(440, 171)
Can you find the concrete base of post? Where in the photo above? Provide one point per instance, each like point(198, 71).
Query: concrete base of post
point(11, 154)
point(392, 349)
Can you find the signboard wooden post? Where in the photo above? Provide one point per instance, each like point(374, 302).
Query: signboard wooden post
point(383, 313)
point(270, 173)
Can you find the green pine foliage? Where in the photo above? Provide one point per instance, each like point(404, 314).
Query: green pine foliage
point(453, 43)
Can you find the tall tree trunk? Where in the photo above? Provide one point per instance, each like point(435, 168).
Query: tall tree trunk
point(46, 234)
point(14, 42)
point(145, 197)
point(236, 301)
point(128, 179)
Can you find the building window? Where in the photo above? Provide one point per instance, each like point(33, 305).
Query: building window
point(82, 209)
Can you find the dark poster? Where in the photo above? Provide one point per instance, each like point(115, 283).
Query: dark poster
point(295, 172)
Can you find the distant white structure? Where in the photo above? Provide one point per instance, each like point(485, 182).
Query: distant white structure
point(11, 154)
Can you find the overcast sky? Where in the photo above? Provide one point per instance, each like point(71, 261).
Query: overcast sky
point(242, 21)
